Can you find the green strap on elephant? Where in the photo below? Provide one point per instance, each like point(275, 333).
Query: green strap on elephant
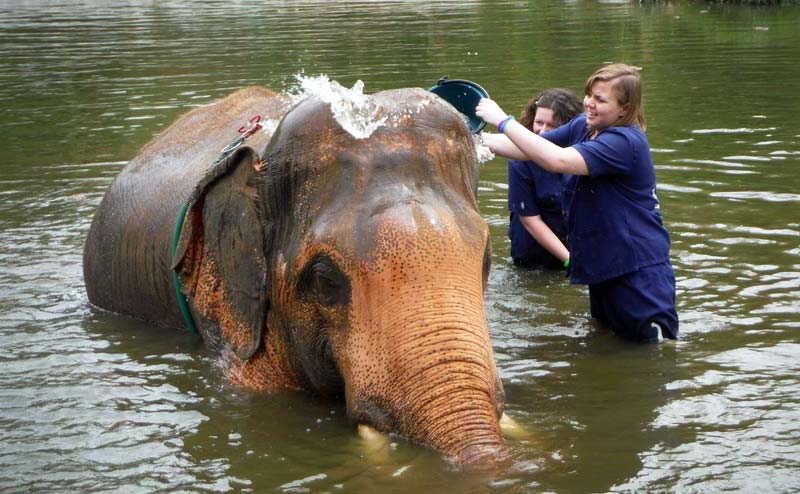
point(184, 306)
point(245, 131)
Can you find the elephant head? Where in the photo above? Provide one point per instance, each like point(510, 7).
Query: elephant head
point(355, 268)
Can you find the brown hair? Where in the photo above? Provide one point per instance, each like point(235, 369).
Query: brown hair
point(627, 85)
point(563, 102)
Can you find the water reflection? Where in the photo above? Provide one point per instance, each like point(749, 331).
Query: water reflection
point(91, 402)
point(743, 432)
point(74, 410)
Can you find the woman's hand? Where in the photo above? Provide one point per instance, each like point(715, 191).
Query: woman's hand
point(490, 111)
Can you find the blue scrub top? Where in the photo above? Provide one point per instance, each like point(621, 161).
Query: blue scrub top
point(613, 219)
point(534, 191)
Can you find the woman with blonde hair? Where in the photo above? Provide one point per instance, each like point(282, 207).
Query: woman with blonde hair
point(617, 241)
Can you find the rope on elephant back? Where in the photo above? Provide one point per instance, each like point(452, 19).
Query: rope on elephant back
point(249, 128)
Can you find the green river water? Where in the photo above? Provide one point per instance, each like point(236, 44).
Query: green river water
point(92, 402)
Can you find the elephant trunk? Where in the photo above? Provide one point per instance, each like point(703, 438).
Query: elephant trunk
point(468, 433)
point(454, 395)
point(416, 357)
point(438, 385)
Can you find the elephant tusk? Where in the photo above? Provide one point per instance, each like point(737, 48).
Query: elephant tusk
point(370, 433)
point(375, 444)
point(512, 429)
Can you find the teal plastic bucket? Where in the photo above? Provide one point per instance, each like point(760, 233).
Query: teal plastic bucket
point(464, 96)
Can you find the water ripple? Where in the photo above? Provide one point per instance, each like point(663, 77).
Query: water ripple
point(738, 417)
point(91, 402)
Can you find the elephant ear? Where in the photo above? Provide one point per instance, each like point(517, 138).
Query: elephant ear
point(219, 258)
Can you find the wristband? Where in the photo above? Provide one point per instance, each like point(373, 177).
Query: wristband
point(502, 125)
point(566, 263)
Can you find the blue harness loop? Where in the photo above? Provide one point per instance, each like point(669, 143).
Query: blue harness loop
point(245, 131)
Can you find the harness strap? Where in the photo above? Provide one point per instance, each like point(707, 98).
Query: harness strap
point(182, 303)
point(245, 131)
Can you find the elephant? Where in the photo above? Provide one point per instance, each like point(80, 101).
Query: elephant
point(349, 267)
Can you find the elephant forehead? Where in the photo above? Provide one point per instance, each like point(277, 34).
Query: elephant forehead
point(337, 171)
point(429, 233)
point(402, 232)
point(398, 147)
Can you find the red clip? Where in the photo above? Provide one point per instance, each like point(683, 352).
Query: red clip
point(251, 127)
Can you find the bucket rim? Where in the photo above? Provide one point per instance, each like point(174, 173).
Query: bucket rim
point(464, 82)
point(476, 124)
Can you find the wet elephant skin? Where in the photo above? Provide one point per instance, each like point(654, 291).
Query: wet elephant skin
point(349, 267)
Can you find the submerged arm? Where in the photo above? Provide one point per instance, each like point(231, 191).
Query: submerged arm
point(545, 236)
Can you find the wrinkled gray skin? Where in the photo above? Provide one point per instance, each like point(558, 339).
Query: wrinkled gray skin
point(313, 260)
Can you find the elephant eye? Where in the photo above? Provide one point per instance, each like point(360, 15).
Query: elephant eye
point(322, 279)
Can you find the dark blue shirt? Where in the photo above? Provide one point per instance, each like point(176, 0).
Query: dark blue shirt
point(533, 191)
point(613, 219)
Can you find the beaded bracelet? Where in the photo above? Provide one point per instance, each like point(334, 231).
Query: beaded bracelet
point(502, 125)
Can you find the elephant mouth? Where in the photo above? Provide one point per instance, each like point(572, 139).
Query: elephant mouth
point(319, 366)
point(371, 417)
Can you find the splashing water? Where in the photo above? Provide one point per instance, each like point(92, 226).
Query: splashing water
point(351, 108)
point(482, 150)
point(357, 112)
point(269, 126)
